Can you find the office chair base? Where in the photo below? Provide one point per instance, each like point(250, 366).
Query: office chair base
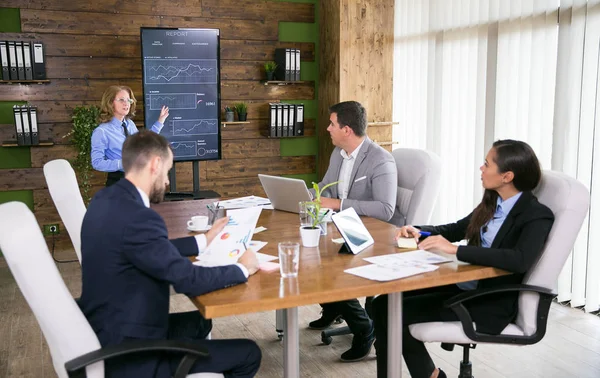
point(279, 334)
point(466, 370)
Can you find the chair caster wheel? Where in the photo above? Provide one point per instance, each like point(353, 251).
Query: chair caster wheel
point(280, 335)
point(326, 339)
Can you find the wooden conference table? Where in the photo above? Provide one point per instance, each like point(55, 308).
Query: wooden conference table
point(321, 278)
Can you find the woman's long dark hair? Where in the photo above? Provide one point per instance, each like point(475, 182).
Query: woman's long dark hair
point(511, 156)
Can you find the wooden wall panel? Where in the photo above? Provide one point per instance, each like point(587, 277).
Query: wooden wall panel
point(129, 46)
point(237, 9)
point(91, 90)
point(191, 8)
point(21, 179)
point(232, 168)
point(329, 74)
point(357, 45)
point(34, 21)
point(258, 129)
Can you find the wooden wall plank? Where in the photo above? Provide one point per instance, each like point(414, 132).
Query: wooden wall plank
point(243, 9)
point(33, 21)
point(91, 90)
point(22, 179)
point(259, 10)
point(61, 111)
point(258, 129)
point(93, 68)
point(40, 156)
point(233, 168)
point(188, 8)
point(250, 148)
point(249, 90)
point(237, 187)
point(131, 68)
point(129, 46)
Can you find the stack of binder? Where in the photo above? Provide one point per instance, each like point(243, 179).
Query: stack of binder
point(22, 60)
point(288, 64)
point(26, 125)
point(286, 120)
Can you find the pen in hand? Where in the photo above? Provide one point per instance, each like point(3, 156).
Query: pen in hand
point(425, 233)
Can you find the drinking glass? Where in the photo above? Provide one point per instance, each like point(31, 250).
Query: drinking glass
point(289, 258)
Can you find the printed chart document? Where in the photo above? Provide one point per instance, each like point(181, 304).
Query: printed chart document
point(246, 202)
point(228, 245)
point(256, 245)
point(398, 265)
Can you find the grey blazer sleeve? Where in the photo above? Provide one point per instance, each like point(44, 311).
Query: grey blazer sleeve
point(384, 185)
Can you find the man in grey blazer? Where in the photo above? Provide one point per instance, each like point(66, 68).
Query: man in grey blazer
point(368, 182)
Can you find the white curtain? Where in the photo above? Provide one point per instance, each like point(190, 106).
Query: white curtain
point(468, 72)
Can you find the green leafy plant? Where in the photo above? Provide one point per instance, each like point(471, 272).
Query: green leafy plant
point(241, 108)
point(85, 120)
point(270, 66)
point(228, 109)
point(315, 211)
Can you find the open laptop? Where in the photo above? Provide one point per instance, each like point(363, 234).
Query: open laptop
point(285, 193)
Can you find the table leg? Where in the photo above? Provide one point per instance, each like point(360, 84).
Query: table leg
point(291, 345)
point(394, 353)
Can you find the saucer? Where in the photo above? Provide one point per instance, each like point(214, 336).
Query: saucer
point(208, 227)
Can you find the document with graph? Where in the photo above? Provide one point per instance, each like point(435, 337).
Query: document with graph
point(181, 71)
point(229, 245)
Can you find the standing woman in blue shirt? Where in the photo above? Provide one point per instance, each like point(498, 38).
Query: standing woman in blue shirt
point(116, 110)
point(507, 230)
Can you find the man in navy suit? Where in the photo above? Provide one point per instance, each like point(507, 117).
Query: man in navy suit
point(128, 263)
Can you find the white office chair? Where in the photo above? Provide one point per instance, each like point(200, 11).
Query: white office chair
point(419, 173)
point(73, 345)
point(64, 190)
point(418, 188)
point(569, 201)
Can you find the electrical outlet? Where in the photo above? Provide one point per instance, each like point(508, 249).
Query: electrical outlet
point(51, 229)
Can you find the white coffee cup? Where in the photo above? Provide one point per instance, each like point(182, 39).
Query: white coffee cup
point(198, 222)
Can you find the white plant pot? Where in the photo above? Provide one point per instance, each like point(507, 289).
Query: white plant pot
point(310, 236)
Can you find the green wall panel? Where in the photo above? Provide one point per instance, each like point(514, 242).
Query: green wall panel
point(10, 20)
point(309, 71)
point(299, 146)
point(12, 157)
point(25, 196)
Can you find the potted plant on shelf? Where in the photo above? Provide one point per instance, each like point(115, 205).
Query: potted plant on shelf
point(228, 114)
point(241, 108)
point(270, 70)
point(310, 234)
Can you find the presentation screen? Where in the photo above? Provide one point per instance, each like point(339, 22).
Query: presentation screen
point(181, 71)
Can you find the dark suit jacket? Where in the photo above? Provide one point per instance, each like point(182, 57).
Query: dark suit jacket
point(127, 265)
point(515, 248)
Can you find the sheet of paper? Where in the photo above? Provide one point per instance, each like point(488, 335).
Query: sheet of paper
point(416, 257)
point(245, 202)
point(338, 241)
point(229, 245)
point(256, 245)
point(259, 229)
point(262, 257)
point(381, 273)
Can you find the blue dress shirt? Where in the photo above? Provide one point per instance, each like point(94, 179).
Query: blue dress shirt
point(489, 231)
point(107, 143)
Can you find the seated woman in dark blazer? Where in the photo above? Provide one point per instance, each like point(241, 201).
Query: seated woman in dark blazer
point(507, 230)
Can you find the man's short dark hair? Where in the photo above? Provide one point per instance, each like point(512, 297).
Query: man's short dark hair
point(351, 114)
point(140, 147)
